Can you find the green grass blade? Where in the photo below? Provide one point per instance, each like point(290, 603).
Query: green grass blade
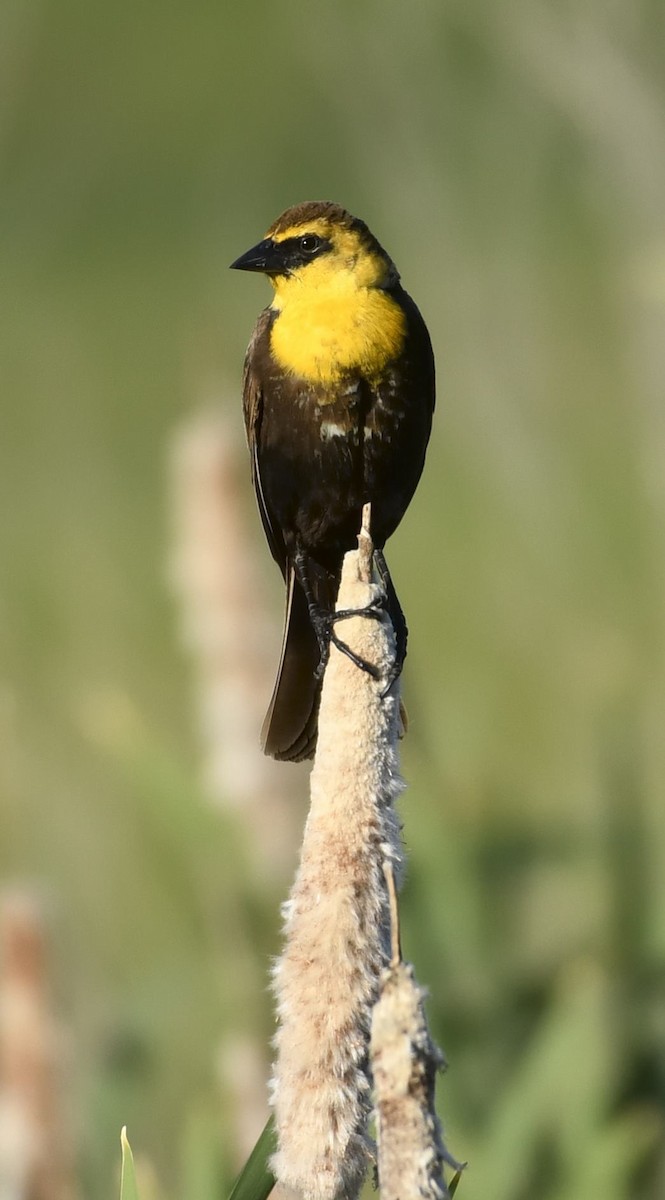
point(256, 1180)
point(453, 1185)
point(128, 1188)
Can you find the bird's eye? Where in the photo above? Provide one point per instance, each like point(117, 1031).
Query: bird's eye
point(310, 243)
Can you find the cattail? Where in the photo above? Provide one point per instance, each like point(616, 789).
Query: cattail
point(35, 1151)
point(232, 641)
point(337, 917)
point(233, 644)
point(405, 1061)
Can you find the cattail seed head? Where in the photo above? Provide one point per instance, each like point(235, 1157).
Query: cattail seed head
point(337, 918)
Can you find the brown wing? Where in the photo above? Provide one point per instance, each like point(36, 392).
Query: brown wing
point(252, 407)
point(289, 730)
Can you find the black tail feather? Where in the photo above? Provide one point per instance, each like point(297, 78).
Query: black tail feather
point(290, 728)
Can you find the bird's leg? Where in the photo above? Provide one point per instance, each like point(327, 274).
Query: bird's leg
point(318, 616)
point(398, 620)
point(323, 621)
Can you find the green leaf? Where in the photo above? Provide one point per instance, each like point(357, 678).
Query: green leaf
point(128, 1188)
point(256, 1180)
point(453, 1185)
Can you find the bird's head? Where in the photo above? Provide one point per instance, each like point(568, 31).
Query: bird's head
point(320, 245)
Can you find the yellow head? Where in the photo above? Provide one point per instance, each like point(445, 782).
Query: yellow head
point(332, 282)
point(317, 242)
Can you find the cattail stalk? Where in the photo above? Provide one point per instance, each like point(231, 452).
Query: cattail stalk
point(337, 917)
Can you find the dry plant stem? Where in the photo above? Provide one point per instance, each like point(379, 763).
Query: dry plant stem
point(395, 939)
point(36, 1159)
point(365, 547)
point(337, 917)
point(405, 1062)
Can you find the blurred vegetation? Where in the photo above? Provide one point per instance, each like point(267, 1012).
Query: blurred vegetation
point(511, 159)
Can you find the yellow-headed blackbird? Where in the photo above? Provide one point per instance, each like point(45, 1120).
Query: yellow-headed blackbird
point(338, 400)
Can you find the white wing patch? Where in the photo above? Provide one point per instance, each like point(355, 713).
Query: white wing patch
point(330, 429)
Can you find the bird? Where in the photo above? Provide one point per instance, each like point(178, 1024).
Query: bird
point(338, 398)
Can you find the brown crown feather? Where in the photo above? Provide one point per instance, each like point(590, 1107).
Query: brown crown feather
point(316, 210)
point(324, 210)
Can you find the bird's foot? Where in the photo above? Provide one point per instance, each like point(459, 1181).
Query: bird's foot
point(324, 627)
point(375, 609)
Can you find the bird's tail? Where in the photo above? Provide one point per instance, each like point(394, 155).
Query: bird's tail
point(291, 724)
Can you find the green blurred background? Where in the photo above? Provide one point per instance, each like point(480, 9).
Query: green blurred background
point(512, 160)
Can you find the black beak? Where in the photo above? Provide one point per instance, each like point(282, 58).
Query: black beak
point(265, 257)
